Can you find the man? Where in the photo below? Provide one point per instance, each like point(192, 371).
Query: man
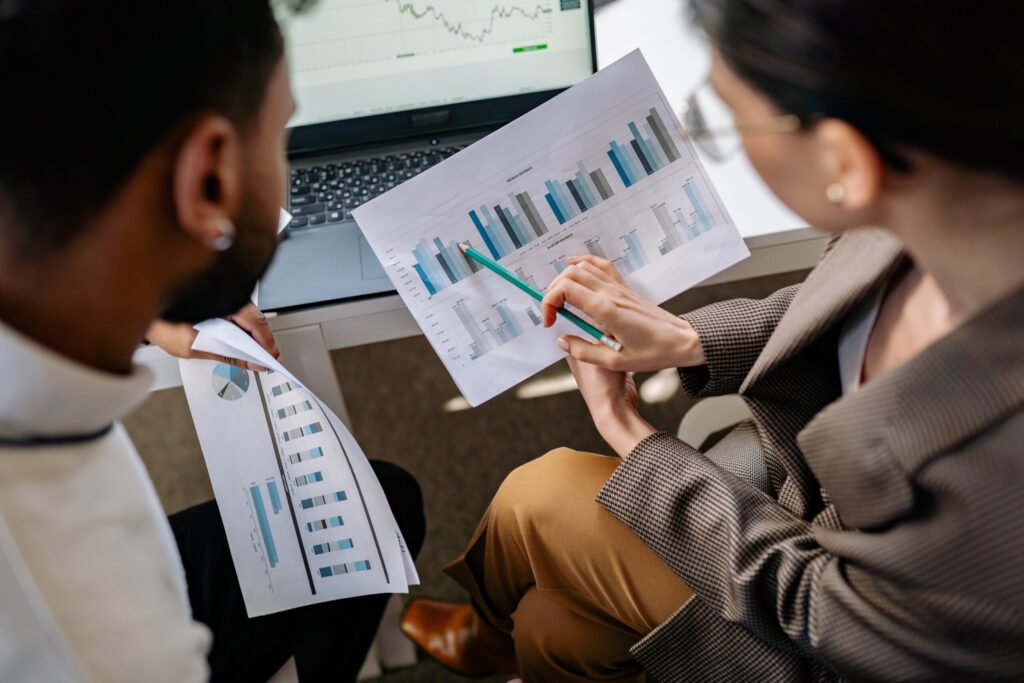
point(141, 171)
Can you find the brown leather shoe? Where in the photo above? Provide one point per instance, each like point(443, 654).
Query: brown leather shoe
point(457, 637)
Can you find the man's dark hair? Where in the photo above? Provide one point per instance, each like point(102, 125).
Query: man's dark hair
point(945, 78)
point(91, 86)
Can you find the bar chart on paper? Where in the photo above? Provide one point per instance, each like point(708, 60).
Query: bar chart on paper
point(600, 169)
point(305, 517)
point(303, 531)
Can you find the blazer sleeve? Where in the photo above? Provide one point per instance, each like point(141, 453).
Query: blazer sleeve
point(787, 581)
point(732, 334)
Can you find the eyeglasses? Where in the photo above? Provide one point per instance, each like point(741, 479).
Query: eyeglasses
point(709, 122)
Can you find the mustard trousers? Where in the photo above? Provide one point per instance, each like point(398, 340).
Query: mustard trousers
point(573, 586)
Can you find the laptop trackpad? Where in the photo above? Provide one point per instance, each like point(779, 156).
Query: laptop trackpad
point(371, 266)
point(322, 264)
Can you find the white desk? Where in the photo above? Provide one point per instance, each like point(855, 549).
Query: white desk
point(679, 57)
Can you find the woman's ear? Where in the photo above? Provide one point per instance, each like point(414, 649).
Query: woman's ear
point(207, 180)
point(855, 167)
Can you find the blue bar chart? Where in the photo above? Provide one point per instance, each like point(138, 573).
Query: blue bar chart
point(303, 456)
point(650, 149)
point(346, 568)
point(494, 331)
point(317, 501)
point(508, 225)
point(690, 222)
point(311, 478)
point(300, 432)
point(288, 411)
point(332, 546)
point(569, 198)
point(264, 525)
point(321, 524)
point(514, 222)
point(635, 256)
point(441, 265)
point(282, 389)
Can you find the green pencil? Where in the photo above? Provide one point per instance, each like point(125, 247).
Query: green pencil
point(568, 315)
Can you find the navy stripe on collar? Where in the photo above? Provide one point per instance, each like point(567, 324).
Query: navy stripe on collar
point(58, 440)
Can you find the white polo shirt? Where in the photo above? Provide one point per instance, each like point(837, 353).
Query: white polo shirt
point(91, 584)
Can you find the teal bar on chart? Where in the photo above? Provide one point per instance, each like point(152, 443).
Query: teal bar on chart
point(264, 524)
point(302, 407)
point(566, 199)
point(282, 389)
point(636, 251)
point(698, 207)
point(655, 148)
point(340, 569)
point(306, 455)
point(628, 165)
point(506, 317)
point(522, 225)
point(308, 430)
point(317, 501)
point(275, 498)
point(321, 524)
point(652, 159)
point(311, 478)
point(429, 270)
point(513, 225)
point(586, 186)
point(332, 546)
point(498, 232)
point(560, 202)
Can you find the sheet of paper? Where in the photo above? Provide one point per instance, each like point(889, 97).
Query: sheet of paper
point(306, 519)
point(600, 168)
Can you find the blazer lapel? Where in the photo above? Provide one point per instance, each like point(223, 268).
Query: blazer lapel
point(855, 263)
point(866, 448)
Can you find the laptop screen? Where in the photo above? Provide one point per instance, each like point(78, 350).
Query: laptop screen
point(351, 59)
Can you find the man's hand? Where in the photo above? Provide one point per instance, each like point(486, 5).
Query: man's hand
point(613, 399)
point(177, 339)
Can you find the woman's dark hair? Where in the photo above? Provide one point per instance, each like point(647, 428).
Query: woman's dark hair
point(946, 78)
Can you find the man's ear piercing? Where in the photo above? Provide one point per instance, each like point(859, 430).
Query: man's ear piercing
point(225, 238)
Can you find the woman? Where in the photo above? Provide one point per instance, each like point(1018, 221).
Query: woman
point(862, 525)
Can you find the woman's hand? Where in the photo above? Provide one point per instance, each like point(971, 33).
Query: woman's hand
point(177, 339)
point(651, 337)
point(612, 399)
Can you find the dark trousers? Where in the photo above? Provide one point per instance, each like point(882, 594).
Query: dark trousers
point(329, 640)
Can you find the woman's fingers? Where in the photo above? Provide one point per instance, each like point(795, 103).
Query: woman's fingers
point(602, 264)
point(586, 352)
point(591, 287)
point(568, 290)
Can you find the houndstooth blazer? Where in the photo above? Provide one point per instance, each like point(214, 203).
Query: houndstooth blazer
point(872, 536)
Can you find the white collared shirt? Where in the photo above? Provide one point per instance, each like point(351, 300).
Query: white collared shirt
point(854, 337)
point(91, 583)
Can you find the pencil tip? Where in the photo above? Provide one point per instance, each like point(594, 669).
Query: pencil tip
point(463, 246)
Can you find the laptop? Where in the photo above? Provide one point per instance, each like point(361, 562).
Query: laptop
point(388, 88)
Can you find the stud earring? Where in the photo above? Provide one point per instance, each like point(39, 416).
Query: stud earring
point(835, 193)
point(225, 238)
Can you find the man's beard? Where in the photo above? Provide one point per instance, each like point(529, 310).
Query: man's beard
point(228, 283)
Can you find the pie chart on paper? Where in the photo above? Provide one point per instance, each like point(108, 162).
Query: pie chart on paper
point(229, 383)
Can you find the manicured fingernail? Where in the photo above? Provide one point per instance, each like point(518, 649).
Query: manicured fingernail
point(563, 344)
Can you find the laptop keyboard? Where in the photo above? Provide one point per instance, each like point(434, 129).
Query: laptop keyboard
point(320, 195)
